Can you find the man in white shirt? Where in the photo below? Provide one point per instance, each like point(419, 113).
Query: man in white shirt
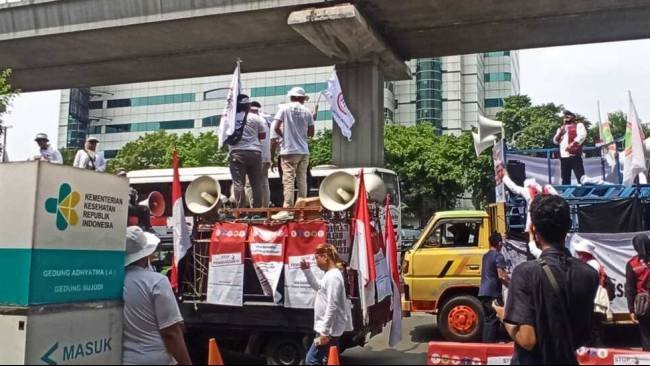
point(89, 158)
point(570, 137)
point(292, 127)
point(256, 108)
point(45, 151)
point(153, 325)
point(245, 146)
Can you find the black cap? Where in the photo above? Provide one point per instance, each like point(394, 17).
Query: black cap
point(569, 113)
point(243, 99)
point(256, 104)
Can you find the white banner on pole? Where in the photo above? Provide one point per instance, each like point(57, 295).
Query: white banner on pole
point(340, 112)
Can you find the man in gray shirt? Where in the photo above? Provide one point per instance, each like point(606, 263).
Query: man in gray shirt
point(153, 331)
point(245, 148)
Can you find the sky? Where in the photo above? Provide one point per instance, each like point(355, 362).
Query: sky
point(574, 76)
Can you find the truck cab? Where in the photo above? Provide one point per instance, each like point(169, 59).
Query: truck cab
point(442, 272)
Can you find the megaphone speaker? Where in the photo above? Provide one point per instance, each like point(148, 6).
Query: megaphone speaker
point(488, 127)
point(482, 145)
point(203, 195)
point(339, 191)
point(375, 187)
point(156, 203)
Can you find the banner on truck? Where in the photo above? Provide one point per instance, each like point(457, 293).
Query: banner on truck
point(383, 280)
point(266, 245)
point(226, 275)
point(302, 241)
point(338, 234)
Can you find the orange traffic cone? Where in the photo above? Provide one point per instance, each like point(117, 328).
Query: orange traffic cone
point(214, 356)
point(333, 357)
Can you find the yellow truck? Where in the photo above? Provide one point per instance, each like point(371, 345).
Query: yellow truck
point(442, 271)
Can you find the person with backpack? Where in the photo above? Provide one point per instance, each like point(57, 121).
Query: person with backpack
point(245, 157)
point(89, 157)
point(637, 285)
point(585, 250)
point(550, 301)
point(529, 191)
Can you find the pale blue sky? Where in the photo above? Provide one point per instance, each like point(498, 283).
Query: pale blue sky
point(576, 76)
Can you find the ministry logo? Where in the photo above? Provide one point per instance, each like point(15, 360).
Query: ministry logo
point(64, 207)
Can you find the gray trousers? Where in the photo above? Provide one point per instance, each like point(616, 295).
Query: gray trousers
point(266, 190)
point(246, 163)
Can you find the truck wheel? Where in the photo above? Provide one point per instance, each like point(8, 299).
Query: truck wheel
point(461, 319)
point(285, 351)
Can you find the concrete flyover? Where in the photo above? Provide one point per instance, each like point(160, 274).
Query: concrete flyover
point(52, 44)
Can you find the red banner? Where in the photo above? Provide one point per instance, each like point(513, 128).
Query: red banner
point(226, 275)
point(266, 244)
point(302, 241)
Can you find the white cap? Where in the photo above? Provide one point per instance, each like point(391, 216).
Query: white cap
point(583, 246)
point(299, 92)
point(92, 138)
point(41, 136)
point(139, 244)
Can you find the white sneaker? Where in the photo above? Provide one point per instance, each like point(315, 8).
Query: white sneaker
point(282, 216)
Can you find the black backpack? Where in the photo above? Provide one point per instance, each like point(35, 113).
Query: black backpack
point(238, 134)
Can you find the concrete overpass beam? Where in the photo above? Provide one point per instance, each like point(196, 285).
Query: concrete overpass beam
point(363, 59)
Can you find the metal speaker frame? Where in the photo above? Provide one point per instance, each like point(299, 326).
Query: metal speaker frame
point(156, 203)
point(339, 191)
point(482, 145)
point(488, 127)
point(202, 196)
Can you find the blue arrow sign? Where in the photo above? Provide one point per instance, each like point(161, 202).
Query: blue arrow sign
point(46, 357)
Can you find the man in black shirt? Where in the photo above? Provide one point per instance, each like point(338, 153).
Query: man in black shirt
point(550, 303)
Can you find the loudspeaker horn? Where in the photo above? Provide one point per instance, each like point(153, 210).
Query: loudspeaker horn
point(646, 147)
point(488, 127)
point(203, 195)
point(375, 187)
point(155, 202)
point(339, 191)
point(482, 145)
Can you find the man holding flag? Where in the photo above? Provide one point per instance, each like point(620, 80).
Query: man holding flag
point(182, 240)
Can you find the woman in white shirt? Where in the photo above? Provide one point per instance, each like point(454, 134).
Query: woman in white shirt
point(331, 317)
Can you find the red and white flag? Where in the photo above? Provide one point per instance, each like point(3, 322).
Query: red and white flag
point(362, 259)
point(182, 240)
point(391, 252)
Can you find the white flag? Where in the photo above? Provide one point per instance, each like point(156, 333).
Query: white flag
point(634, 154)
point(340, 112)
point(229, 115)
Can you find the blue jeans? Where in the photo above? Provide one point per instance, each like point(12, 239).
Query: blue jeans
point(317, 354)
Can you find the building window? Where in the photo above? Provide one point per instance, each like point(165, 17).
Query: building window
point(118, 128)
point(271, 91)
point(498, 76)
point(216, 94)
point(110, 154)
point(177, 125)
point(119, 103)
point(93, 130)
point(97, 104)
point(497, 54)
point(153, 100)
point(324, 116)
point(212, 121)
point(494, 103)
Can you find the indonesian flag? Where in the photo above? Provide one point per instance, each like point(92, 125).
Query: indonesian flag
point(182, 241)
point(391, 253)
point(229, 115)
point(634, 155)
point(362, 259)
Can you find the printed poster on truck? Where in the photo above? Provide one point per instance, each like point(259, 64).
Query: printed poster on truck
point(338, 234)
point(226, 274)
point(302, 241)
point(383, 281)
point(266, 244)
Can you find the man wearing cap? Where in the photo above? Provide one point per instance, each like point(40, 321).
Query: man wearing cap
point(570, 137)
point(89, 158)
point(45, 151)
point(245, 146)
point(292, 127)
point(256, 109)
point(153, 331)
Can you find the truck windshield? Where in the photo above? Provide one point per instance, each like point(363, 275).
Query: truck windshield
point(454, 234)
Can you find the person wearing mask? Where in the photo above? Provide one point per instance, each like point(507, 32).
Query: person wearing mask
point(529, 191)
point(256, 108)
point(153, 325)
point(493, 277)
point(245, 159)
point(89, 158)
point(637, 286)
point(45, 151)
point(550, 301)
point(331, 315)
point(586, 252)
point(292, 127)
point(570, 138)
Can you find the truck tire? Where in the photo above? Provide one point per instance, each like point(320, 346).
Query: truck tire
point(461, 319)
point(285, 350)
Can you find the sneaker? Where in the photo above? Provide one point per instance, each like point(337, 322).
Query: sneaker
point(282, 216)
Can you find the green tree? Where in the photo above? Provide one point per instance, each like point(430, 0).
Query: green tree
point(154, 151)
point(68, 155)
point(618, 121)
point(6, 95)
point(320, 148)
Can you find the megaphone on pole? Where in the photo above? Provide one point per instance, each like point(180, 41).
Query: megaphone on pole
point(202, 196)
point(155, 202)
point(482, 145)
point(488, 127)
point(339, 191)
point(375, 187)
